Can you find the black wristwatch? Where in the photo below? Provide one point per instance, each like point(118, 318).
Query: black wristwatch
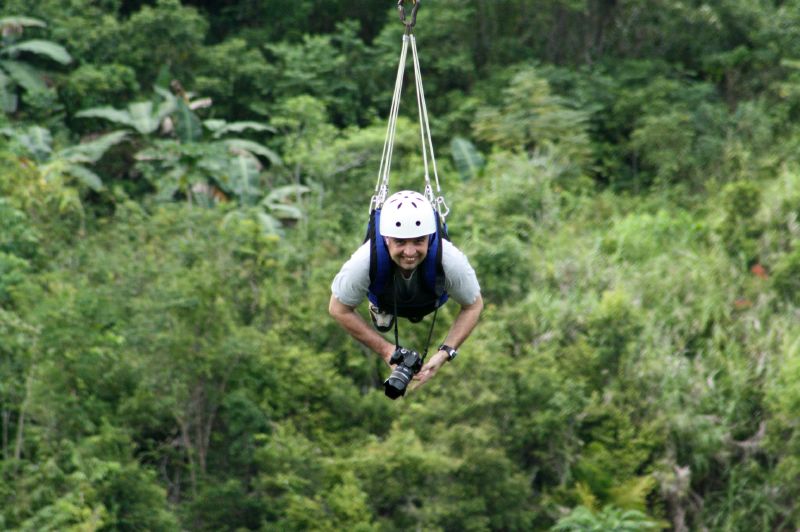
point(451, 353)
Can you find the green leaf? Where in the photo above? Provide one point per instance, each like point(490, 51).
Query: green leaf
point(142, 118)
point(38, 141)
point(467, 158)
point(214, 124)
point(107, 113)
point(244, 172)
point(189, 127)
point(269, 224)
point(283, 193)
point(85, 176)
point(92, 151)
point(289, 212)
point(8, 98)
point(24, 75)
point(277, 201)
point(139, 115)
point(29, 22)
point(235, 127)
point(167, 106)
point(54, 51)
point(253, 147)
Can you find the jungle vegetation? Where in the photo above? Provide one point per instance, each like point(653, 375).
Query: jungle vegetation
point(181, 180)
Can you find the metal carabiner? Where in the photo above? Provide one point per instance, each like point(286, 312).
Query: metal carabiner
point(409, 25)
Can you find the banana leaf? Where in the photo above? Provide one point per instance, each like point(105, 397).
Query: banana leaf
point(468, 160)
point(49, 49)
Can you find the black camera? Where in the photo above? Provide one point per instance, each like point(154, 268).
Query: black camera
point(408, 363)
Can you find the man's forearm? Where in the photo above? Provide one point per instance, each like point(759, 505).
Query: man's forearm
point(464, 323)
point(355, 325)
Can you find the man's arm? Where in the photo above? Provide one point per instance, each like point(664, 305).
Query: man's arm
point(355, 325)
point(465, 322)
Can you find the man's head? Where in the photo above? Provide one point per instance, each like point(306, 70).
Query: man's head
point(407, 221)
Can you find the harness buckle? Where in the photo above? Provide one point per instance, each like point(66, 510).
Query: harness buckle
point(376, 202)
point(442, 207)
point(409, 25)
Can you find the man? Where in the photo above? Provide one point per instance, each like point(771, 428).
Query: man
point(408, 229)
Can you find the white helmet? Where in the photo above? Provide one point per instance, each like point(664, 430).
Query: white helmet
point(407, 214)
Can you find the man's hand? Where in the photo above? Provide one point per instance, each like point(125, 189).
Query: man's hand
point(429, 369)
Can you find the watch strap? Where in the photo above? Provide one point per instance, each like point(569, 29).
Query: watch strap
point(451, 352)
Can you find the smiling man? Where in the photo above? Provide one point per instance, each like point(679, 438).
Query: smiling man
point(408, 270)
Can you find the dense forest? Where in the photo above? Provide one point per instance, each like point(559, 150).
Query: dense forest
point(181, 180)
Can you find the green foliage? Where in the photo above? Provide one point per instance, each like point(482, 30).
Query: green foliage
point(90, 86)
point(786, 276)
point(467, 159)
point(531, 117)
point(201, 167)
point(783, 436)
point(17, 235)
point(640, 236)
point(665, 143)
point(15, 71)
point(236, 76)
point(612, 328)
point(740, 228)
point(143, 117)
point(166, 34)
point(99, 487)
point(609, 519)
point(68, 164)
point(333, 69)
point(630, 206)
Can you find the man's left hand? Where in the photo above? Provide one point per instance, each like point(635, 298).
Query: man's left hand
point(429, 369)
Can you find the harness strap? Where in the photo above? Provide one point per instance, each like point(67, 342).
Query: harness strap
point(397, 318)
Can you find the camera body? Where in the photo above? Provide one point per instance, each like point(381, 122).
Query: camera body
point(407, 364)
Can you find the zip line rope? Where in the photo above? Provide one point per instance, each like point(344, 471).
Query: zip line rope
point(382, 186)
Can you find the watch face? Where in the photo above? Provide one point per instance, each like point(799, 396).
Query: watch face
point(451, 353)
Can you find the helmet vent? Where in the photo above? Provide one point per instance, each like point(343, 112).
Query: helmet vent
point(407, 214)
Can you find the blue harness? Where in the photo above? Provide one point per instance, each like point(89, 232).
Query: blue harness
point(382, 271)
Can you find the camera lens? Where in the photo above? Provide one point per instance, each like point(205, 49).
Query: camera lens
point(395, 385)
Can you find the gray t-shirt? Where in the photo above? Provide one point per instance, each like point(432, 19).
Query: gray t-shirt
point(351, 284)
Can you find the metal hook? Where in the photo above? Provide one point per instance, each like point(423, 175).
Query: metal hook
point(409, 25)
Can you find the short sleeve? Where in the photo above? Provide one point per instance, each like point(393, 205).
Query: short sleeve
point(351, 284)
point(461, 282)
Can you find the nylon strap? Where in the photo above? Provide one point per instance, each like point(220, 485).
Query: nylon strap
point(397, 318)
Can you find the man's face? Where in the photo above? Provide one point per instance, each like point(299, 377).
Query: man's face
point(407, 253)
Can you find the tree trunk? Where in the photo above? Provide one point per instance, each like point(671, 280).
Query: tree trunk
point(6, 420)
point(21, 422)
point(188, 448)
